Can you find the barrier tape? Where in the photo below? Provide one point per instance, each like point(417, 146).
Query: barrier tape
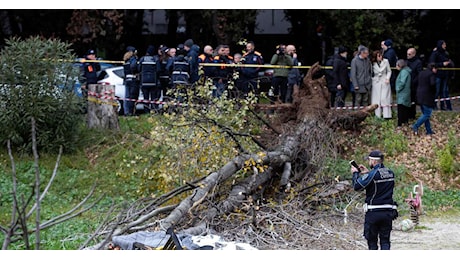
point(108, 95)
point(83, 60)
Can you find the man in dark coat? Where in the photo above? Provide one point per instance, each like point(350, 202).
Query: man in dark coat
point(426, 95)
point(329, 74)
point(390, 54)
point(192, 56)
point(440, 57)
point(413, 62)
point(340, 74)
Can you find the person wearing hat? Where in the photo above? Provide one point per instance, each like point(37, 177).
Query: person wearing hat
point(150, 87)
point(340, 76)
point(90, 68)
point(380, 208)
point(192, 56)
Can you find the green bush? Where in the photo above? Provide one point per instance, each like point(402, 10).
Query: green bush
point(36, 81)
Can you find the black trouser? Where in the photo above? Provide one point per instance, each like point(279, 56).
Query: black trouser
point(378, 226)
point(131, 96)
point(280, 88)
point(341, 95)
point(403, 114)
point(152, 94)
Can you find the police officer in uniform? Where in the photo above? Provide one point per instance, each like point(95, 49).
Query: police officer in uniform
point(132, 88)
point(180, 68)
point(250, 73)
point(379, 205)
point(90, 70)
point(148, 69)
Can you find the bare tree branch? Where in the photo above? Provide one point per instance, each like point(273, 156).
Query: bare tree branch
point(58, 160)
point(37, 185)
point(9, 231)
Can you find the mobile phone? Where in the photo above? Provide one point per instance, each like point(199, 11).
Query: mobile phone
point(354, 164)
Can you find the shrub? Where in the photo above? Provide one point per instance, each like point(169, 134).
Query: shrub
point(36, 81)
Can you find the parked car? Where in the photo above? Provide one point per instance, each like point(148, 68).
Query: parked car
point(115, 76)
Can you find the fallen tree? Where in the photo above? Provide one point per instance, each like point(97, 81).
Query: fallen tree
point(297, 141)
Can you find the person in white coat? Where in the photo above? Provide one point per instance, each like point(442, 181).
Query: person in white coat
point(381, 88)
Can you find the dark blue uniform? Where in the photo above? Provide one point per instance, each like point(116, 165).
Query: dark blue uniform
point(222, 74)
point(379, 207)
point(148, 69)
point(249, 74)
point(132, 88)
point(180, 71)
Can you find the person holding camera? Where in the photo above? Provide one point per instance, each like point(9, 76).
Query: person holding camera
point(280, 75)
point(380, 208)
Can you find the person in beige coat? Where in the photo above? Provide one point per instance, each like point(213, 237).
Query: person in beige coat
point(381, 89)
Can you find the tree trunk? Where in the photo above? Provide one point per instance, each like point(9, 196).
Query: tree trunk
point(102, 112)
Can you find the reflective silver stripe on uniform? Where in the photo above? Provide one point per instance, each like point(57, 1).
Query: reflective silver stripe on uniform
point(130, 76)
point(367, 207)
point(180, 73)
point(385, 180)
point(149, 63)
point(384, 206)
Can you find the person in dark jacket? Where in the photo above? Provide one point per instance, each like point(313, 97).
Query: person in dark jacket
point(390, 54)
point(148, 69)
point(91, 68)
point(426, 95)
point(223, 72)
point(192, 56)
point(250, 73)
point(340, 74)
point(440, 57)
point(207, 57)
point(380, 208)
point(131, 81)
point(415, 64)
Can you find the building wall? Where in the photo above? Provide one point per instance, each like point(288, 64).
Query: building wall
point(269, 21)
point(272, 21)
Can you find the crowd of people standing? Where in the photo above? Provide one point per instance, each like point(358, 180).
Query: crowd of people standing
point(163, 68)
point(374, 77)
point(370, 77)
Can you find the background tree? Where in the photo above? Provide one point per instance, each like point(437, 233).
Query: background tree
point(352, 28)
point(219, 26)
point(102, 30)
